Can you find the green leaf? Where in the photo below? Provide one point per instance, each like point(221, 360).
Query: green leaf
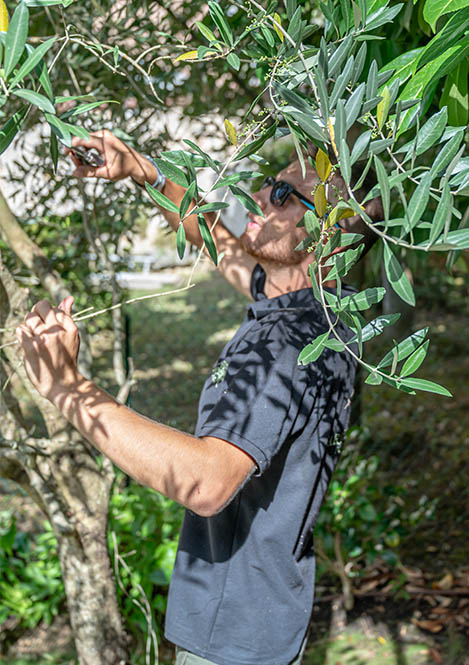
point(16, 38)
point(447, 153)
point(382, 16)
point(311, 352)
point(207, 33)
point(384, 187)
point(427, 76)
point(334, 344)
point(11, 128)
point(372, 82)
point(345, 166)
point(376, 326)
point(187, 199)
point(364, 299)
point(322, 92)
point(404, 348)
point(161, 199)
point(428, 386)
point(433, 9)
point(374, 379)
point(207, 238)
point(441, 214)
point(448, 36)
point(210, 162)
point(311, 127)
point(353, 105)
point(456, 94)
point(219, 19)
point(33, 59)
point(339, 55)
point(343, 262)
point(414, 361)
point(380, 145)
point(397, 277)
point(172, 172)
point(233, 61)
point(403, 65)
point(35, 98)
point(181, 240)
point(431, 131)
point(61, 129)
point(419, 199)
point(254, 146)
point(342, 81)
point(84, 108)
point(54, 150)
point(360, 146)
point(233, 178)
point(247, 201)
point(212, 207)
point(383, 108)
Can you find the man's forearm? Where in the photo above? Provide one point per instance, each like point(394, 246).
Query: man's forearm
point(172, 462)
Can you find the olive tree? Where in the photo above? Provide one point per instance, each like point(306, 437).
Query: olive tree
point(317, 72)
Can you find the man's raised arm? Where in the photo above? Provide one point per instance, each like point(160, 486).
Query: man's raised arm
point(121, 161)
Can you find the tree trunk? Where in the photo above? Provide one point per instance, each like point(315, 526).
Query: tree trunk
point(62, 475)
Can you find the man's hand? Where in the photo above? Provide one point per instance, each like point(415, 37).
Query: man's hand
point(120, 160)
point(50, 342)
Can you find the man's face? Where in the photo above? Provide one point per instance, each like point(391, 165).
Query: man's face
point(274, 237)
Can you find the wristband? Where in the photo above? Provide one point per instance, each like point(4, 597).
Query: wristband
point(161, 179)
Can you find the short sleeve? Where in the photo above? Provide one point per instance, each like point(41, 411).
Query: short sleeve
point(262, 396)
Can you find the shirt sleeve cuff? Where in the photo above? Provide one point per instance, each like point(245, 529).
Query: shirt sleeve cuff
point(238, 440)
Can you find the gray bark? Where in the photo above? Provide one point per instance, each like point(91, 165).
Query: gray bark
point(62, 475)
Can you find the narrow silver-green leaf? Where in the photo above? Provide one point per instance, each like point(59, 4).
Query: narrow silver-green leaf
point(397, 277)
point(233, 178)
point(161, 199)
point(342, 81)
point(442, 212)
point(419, 199)
point(414, 361)
point(364, 299)
point(372, 81)
point(405, 348)
point(428, 386)
point(187, 199)
point(374, 379)
point(54, 150)
point(345, 166)
point(11, 128)
point(35, 98)
point(447, 153)
point(353, 105)
point(360, 146)
point(30, 63)
point(377, 326)
point(172, 172)
point(311, 352)
point(181, 240)
point(383, 181)
point(16, 38)
point(207, 238)
point(247, 200)
point(431, 131)
point(212, 207)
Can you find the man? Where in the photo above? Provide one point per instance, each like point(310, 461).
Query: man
point(254, 474)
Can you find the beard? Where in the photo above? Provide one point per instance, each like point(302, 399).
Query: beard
point(275, 249)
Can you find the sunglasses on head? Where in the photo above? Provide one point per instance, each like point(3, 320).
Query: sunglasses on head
point(281, 190)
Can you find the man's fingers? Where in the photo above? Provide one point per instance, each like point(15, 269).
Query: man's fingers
point(64, 314)
point(95, 141)
point(34, 323)
point(44, 310)
point(24, 336)
point(67, 304)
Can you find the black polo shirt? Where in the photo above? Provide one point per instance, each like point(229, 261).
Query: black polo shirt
point(242, 587)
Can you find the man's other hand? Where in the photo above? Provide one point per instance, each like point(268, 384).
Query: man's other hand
point(120, 160)
point(50, 342)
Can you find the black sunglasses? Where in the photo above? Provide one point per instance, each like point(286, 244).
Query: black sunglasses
point(281, 190)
